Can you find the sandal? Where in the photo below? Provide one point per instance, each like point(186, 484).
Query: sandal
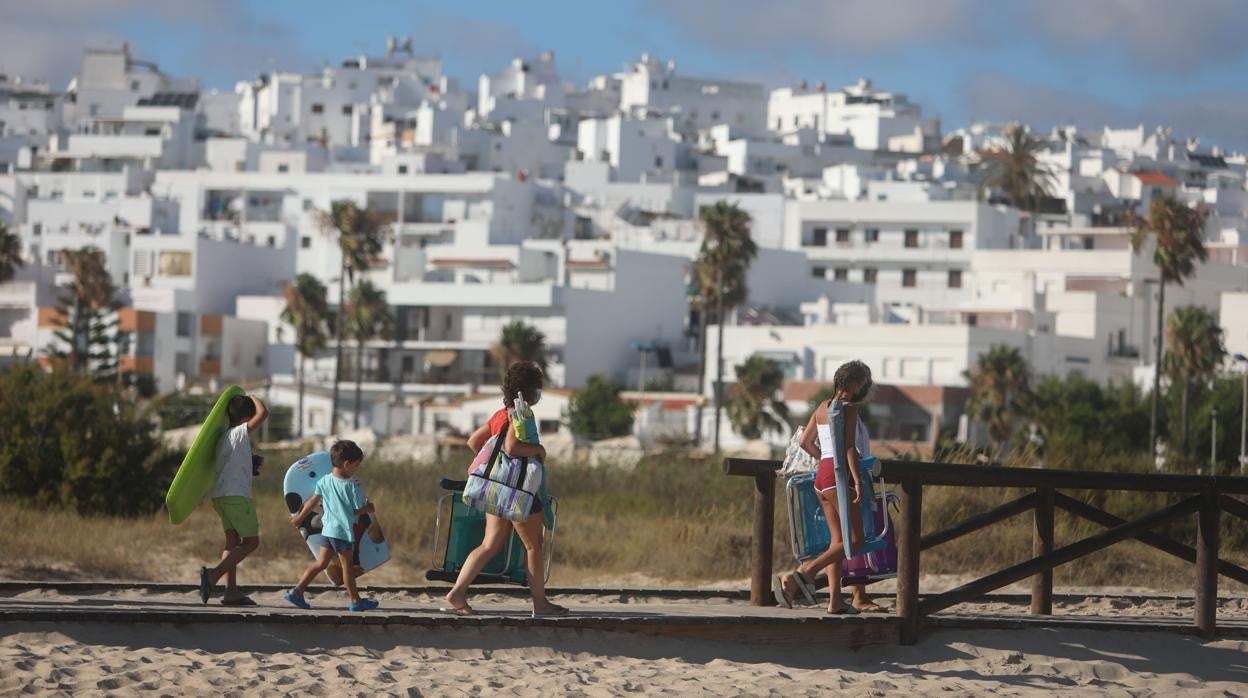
point(465, 611)
point(238, 601)
point(554, 611)
point(846, 610)
point(871, 607)
point(777, 590)
point(806, 586)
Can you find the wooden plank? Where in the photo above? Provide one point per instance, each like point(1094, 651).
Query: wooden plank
point(947, 474)
point(750, 467)
point(908, 548)
point(1207, 564)
point(1233, 506)
point(1005, 511)
point(1074, 551)
point(1041, 545)
point(1168, 545)
point(764, 523)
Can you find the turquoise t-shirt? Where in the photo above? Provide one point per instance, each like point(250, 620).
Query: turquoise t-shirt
point(340, 499)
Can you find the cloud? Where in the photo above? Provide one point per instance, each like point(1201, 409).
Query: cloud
point(1170, 35)
point(872, 27)
point(219, 40)
point(1216, 117)
point(470, 46)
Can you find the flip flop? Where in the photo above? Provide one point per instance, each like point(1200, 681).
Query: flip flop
point(240, 601)
point(465, 611)
point(554, 612)
point(805, 586)
point(845, 610)
point(777, 590)
point(205, 587)
point(871, 608)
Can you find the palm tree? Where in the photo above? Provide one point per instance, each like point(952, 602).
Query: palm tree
point(1177, 228)
point(1196, 351)
point(1016, 171)
point(720, 272)
point(87, 303)
point(307, 310)
point(519, 341)
point(10, 254)
point(368, 317)
point(753, 408)
point(999, 383)
point(361, 237)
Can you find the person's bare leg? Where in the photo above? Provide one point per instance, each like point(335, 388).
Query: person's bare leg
point(318, 565)
point(228, 563)
point(348, 575)
point(531, 532)
point(496, 531)
point(834, 553)
point(232, 540)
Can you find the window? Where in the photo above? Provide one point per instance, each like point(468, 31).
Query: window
point(871, 235)
point(868, 275)
point(912, 238)
point(175, 264)
point(271, 241)
point(305, 242)
point(955, 239)
point(955, 278)
point(402, 169)
point(283, 168)
point(318, 108)
point(185, 322)
point(908, 278)
point(841, 274)
point(346, 110)
point(819, 272)
point(819, 237)
point(134, 85)
point(842, 235)
point(36, 229)
point(658, 161)
point(715, 117)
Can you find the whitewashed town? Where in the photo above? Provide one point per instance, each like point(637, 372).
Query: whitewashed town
point(524, 210)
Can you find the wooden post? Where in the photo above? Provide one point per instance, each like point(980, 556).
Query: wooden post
point(1042, 544)
point(908, 559)
point(1207, 564)
point(764, 522)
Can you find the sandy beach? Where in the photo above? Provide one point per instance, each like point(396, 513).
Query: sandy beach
point(465, 659)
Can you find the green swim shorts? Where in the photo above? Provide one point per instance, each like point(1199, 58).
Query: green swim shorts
point(238, 514)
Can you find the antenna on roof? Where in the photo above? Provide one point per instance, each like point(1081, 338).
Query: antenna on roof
point(407, 46)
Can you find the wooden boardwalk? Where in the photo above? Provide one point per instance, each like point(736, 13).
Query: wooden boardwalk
point(680, 613)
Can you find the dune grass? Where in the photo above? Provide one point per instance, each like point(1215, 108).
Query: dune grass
point(670, 520)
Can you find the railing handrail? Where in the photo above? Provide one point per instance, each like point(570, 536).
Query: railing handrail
point(994, 475)
point(951, 474)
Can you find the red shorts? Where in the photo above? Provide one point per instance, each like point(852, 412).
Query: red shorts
point(825, 476)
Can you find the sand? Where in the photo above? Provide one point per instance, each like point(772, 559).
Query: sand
point(261, 657)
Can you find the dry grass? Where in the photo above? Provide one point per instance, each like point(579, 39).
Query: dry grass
point(668, 520)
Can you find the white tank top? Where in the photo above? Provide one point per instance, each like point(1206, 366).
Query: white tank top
point(862, 440)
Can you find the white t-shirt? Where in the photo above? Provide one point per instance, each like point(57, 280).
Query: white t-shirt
point(234, 464)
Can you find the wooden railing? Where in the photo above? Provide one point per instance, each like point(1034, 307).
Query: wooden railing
point(1208, 497)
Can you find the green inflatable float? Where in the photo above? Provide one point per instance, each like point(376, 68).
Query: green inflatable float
point(198, 472)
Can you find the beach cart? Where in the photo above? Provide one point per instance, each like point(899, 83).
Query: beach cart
point(460, 529)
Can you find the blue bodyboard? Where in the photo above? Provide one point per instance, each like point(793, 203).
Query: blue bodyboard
point(872, 540)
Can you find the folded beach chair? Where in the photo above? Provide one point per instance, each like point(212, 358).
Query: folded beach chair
point(809, 528)
point(460, 529)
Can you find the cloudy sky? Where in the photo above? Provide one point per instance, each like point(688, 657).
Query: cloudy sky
point(1088, 62)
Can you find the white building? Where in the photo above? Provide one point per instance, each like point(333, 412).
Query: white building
point(876, 120)
point(651, 86)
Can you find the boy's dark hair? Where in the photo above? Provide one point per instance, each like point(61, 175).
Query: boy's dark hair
point(345, 451)
point(852, 372)
point(522, 377)
point(240, 409)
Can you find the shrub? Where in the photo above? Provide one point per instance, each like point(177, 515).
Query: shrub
point(598, 412)
point(70, 442)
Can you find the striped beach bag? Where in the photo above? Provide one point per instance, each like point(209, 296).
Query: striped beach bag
point(502, 485)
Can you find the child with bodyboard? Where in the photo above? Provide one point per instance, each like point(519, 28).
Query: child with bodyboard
point(342, 501)
point(231, 498)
